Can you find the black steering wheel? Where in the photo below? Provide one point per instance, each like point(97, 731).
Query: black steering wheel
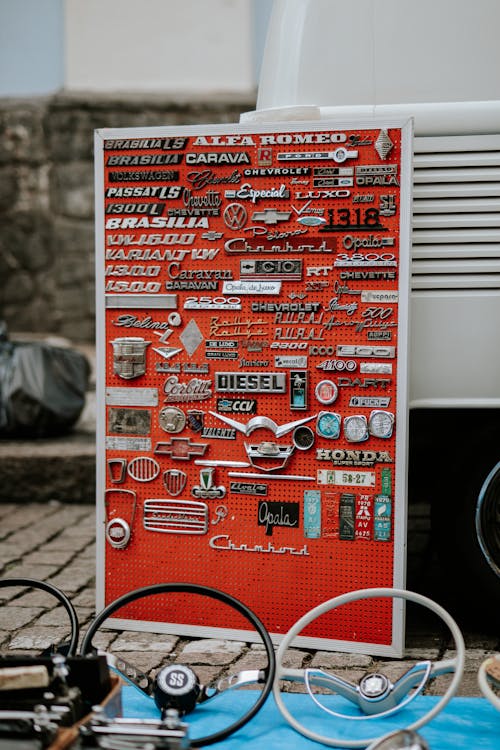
point(177, 686)
point(60, 596)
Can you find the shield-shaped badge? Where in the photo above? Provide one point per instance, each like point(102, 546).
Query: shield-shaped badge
point(129, 356)
point(195, 419)
point(174, 481)
point(206, 478)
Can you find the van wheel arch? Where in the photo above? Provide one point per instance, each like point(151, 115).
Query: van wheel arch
point(467, 543)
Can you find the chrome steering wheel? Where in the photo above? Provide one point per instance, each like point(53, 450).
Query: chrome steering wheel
point(375, 695)
point(177, 686)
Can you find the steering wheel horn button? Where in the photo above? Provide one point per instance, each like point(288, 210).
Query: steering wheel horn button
point(374, 686)
point(176, 686)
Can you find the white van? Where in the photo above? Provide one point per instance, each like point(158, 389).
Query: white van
point(437, 61)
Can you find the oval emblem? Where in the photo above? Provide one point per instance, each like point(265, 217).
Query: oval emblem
point(311, 221)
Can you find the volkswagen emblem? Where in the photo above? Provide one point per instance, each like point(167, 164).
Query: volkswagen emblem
point(235, 216)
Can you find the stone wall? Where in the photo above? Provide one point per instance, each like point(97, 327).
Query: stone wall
point(47, 199)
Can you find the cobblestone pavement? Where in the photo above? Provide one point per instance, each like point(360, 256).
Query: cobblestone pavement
point(55, 542)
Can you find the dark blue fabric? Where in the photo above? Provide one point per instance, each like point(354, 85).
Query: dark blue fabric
point(465, 724)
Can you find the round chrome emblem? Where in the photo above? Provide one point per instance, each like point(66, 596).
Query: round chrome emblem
point(172, 419)
point(326, 392)
point(356, 428)
point(328, 424)
point(380, 424)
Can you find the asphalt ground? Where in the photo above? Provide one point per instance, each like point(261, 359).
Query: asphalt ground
point(55, 542)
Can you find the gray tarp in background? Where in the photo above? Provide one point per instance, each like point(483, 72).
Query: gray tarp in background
point(42, 388)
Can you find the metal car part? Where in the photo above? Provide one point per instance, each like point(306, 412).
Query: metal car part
point(256, 423)
point(118, 531)
point(403, 739)
point(375, 696)
point(175, 516)
point(266, 451)
point(193, 692)
point(167, 733)
point(143, 468)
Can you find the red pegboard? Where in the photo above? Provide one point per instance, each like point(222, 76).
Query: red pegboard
point(252, 313)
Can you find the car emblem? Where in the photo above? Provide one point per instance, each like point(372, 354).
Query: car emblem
point(207, 490)
point(195, 419)
point(328, 424)
point(383, 144)
point(118, 530)
point(180, 448)
point(235, 216)
point(270, 216)
point(298, 389)
point(191, 337)
point(176, 516)
point(381, 423)
point(167, 351)
point(326, 391)
point(172, 419)
point(129, 357)
point(174, 481)
point(143, 469)
point(303, 438)
point(339, 155)
point(268, 456)
point(256, 423)
point(117, 468)
point(311, 221)
point(356, 428)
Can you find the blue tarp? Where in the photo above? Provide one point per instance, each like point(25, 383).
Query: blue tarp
point(465, 724)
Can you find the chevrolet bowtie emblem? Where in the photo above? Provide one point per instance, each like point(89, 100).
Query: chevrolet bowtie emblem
point(256, 423)
point(271, 216)
point(180, 448)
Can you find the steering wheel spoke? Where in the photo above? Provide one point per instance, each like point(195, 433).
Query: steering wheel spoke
point(445, 666)
point(414, 679)
point(241, 679)
point(130, 673)
point(327, 680)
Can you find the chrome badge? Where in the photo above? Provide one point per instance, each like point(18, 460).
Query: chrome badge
point(175, 516)
point(174, 481)
point(129, 357)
